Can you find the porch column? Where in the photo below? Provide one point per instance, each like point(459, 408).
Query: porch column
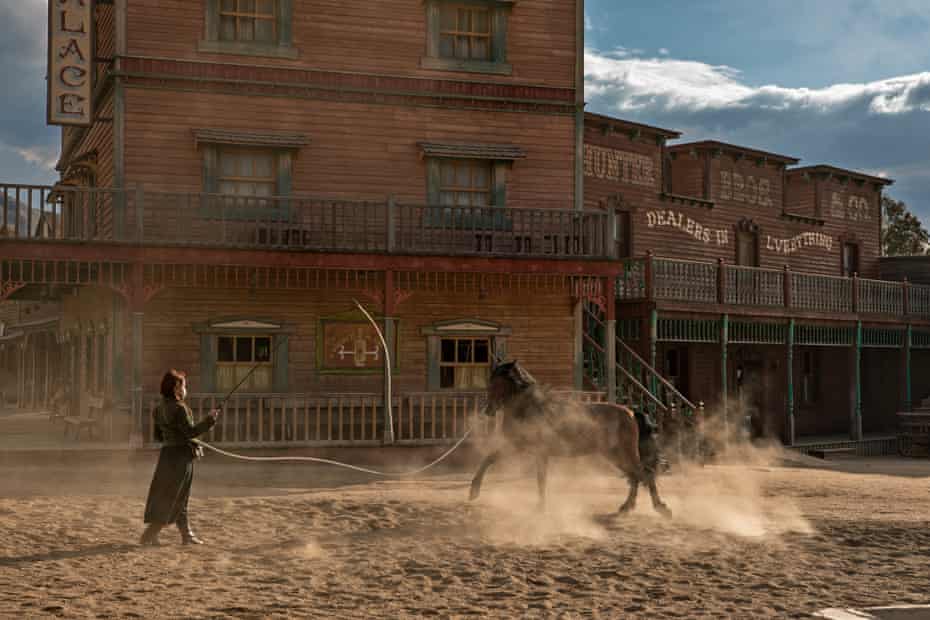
point(653, 339)
point(21, 375)
point(137, 316)
point(578, 344)
point(724, 397)
point(789, 372)
point(33, 377)
point(611, 337)
point(907, 369)
point(855, 431)
point(390, 337)
point(47, 340)
point(82, 371)
point(117, 353)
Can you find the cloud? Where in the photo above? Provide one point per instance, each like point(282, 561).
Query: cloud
point(882, 125)
point(663, 51)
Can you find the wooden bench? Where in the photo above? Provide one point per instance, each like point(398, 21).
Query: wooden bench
point(58, 407)
point(93, 420)
point(914, 433)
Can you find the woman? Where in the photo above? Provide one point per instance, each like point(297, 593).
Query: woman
point(171, 486)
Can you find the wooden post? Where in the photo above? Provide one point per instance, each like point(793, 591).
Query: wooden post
point(653, 336)
point(789, 373)
point(906, 297)
point(137, 316)
point(855, 292)
point(610, 233)
point(650, 277)
point(786, 286)
point(390, 335)
point(724, 397)
point(578, 342)
point(856, 422)
point(391, 224)
point(721, 282)
point(33, 357)
point(907, 368)
point(611, 336)
point(140, 213)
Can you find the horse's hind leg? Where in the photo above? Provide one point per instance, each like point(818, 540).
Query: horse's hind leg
point(542, 468)
point(630, 502)
point(657, 502)
point(479, 475)
point(649, 455)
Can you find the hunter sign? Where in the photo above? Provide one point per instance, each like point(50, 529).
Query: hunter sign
point(70, 62)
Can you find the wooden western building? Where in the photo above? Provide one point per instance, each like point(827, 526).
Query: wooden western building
point(251, 168)
point(748, 276)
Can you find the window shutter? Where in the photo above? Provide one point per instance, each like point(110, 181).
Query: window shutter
point(207, 363)
point(281, 344)
point(500, 183)
point(210, 169)
point(499, 30)
point(432, 360)
point(212, 20)
point(285, 19)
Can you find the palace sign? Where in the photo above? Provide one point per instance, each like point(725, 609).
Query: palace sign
point(70, 62)
point(745, 188)
point(851, 207)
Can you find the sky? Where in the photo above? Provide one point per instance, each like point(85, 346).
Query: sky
point(843, 82)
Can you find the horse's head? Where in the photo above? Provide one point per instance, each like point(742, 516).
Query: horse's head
point(507, 380)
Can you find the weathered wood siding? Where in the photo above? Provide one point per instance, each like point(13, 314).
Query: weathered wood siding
point(541, 337)
point(356, 151)
point(387, 37)
point(851, 210)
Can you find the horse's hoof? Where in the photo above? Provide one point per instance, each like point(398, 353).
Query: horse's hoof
point(473, 494)
point(664, 510)
point(622, 510)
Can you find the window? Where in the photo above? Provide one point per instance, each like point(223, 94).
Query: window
point(850, 259)
point(623, 234)
point(248, 27)
point(465, 182)
point(235, 358)
point(467, 36)
point(246, 172)
point(465, 32)
point(810, 377)
point(464, 363)
point(247, 20)
point(747, 248)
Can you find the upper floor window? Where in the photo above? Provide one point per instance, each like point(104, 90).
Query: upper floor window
point(248, 27)
point(465, 182)
point(248, 20)
point(467, 36)
point(465, 32)
point(246, 172)
point(850, 259)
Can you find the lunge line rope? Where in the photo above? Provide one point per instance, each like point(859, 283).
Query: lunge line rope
point(313, 459)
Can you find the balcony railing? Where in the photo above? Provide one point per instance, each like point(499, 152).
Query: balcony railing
point(695, 282)
point(299, 223)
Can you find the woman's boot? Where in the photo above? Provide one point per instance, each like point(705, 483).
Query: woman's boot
point(187, 536)
point(150, 535)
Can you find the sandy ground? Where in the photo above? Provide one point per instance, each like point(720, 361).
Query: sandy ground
point(753, 540)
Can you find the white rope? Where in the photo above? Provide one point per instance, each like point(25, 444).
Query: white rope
point(386, 474)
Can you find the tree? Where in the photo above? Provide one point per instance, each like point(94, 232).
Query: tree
point(902, 232)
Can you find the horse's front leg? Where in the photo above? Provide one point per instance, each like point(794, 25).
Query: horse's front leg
point(479, 475)
point(630, 502)
point(542, 469)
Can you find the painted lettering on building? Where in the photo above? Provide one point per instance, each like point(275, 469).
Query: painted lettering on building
point(745, 188)
point(851, 207)
point(619, 166)
point(676, 219)
point(793, 244)
point(70, 62)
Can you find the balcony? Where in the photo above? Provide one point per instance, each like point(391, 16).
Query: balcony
point(780, 292)
point(299, 223)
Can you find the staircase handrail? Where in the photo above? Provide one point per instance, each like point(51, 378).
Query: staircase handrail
point(656, 375)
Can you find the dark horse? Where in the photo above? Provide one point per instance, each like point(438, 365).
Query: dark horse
point(537, 423)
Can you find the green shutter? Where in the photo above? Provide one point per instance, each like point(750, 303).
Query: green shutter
point(210, 169)
point(432, 361)
point(281, 355)
point(499, 49)
point(285, 19)
point(207, 363)
point(500, 183)
point(212, 20)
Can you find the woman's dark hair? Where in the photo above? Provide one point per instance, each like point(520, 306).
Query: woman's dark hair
point(171, 384)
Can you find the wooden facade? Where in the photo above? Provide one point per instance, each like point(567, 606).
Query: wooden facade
point(248, 176)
